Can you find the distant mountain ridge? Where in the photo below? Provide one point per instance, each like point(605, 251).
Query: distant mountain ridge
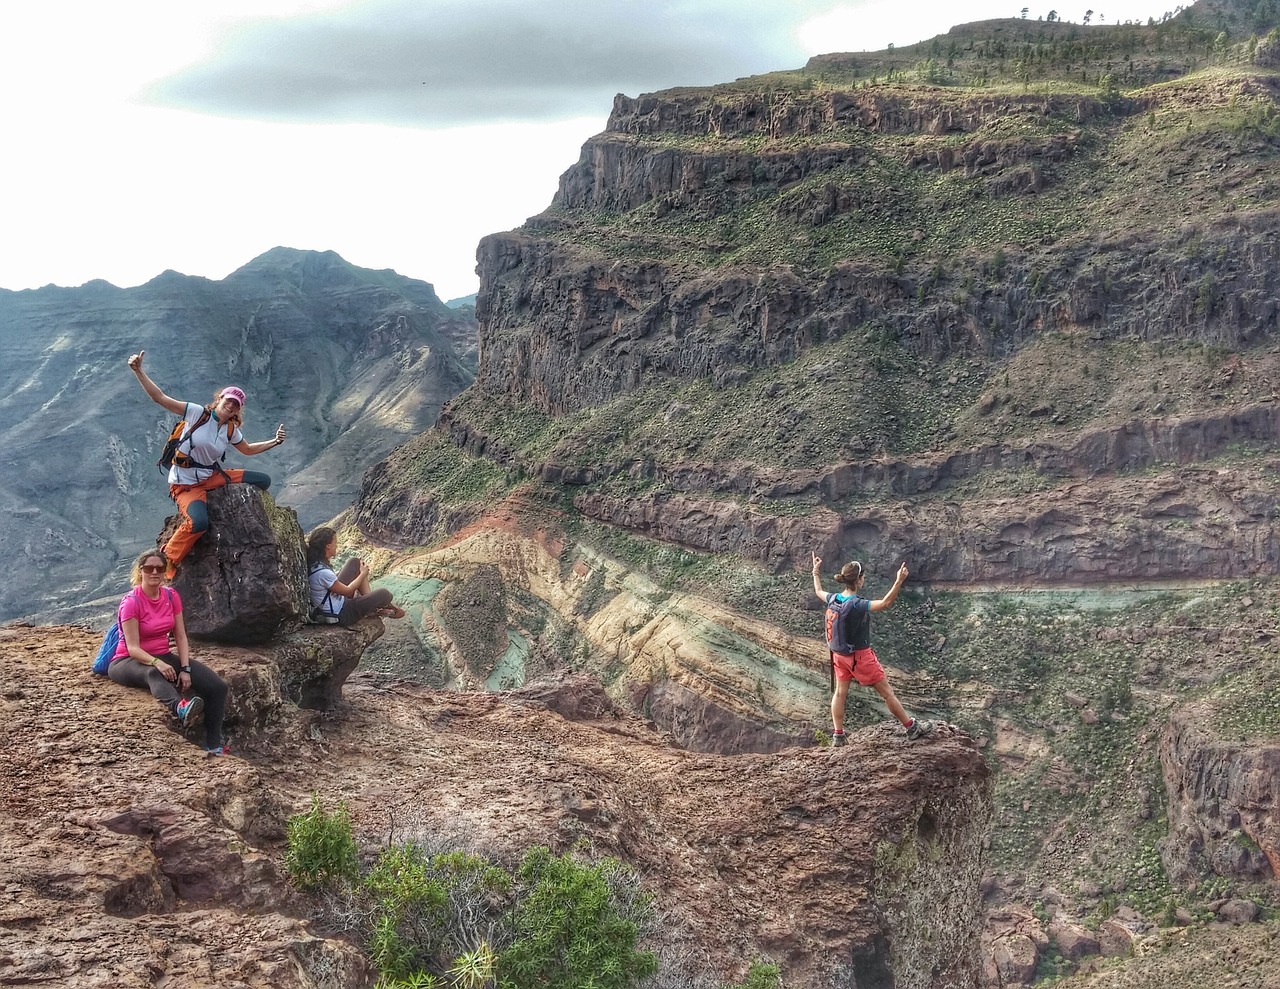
point(353, 361)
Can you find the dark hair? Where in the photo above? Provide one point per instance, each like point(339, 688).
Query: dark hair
point(135, 572)
point(850, 574)
point(320, 537)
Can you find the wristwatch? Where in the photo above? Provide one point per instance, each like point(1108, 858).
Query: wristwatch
point(186, 670)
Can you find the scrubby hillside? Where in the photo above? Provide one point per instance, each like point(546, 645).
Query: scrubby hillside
point(1003, 304)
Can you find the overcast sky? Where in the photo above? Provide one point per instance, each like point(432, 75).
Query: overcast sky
point(143, 135)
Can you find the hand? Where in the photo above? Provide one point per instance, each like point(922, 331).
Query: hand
point(903, 572)
point(167, 671)
point(364, 569)
point(184, 681)
point(817, 562)
point(135, 362)
point(280, 434)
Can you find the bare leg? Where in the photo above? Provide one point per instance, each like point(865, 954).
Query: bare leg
point(837, 704)
point(891, 699)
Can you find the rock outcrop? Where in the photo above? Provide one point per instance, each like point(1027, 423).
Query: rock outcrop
point(1224, 803)
point(245, 579)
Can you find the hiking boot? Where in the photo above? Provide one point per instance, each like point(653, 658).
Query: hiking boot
point(170, 571)
point(919, 728)
point(839, 738)
point(188, 710)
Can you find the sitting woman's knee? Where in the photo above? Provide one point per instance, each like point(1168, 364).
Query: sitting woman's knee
point(198, 513)
point(257, 479)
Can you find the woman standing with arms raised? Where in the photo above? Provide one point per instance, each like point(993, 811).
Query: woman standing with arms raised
point(197, 465)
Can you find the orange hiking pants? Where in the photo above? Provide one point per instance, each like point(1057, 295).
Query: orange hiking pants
point(192, 499)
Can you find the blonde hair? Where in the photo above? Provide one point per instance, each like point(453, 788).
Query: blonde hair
point(135, 572)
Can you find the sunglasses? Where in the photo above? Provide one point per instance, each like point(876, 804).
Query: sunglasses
point(152, 568)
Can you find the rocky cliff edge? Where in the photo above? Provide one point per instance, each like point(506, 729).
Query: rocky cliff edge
point(130, 856)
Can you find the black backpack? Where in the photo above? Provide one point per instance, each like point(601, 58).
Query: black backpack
point(171, 454)
point(837, 624)
point(321, 614)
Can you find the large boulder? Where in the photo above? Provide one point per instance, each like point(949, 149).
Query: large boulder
point(245, 581)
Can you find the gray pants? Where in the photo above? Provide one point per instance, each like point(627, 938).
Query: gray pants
point(353, 609)
point(206, 684)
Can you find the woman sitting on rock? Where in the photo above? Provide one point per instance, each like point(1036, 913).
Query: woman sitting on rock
point(197, 465)
point(346, 595)
point(148, 615)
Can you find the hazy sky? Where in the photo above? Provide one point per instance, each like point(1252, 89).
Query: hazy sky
point(141, 135)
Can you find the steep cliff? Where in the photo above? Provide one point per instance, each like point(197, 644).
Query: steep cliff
point(1004, 305)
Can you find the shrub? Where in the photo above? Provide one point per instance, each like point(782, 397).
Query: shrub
point(458, 920)
point(568, 930)
point(762, 975)
point(321, 849)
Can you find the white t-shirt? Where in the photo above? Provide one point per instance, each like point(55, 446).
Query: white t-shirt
point(321, 579)
point(206, 446)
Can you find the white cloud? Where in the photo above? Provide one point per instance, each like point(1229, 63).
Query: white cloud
point(101, 183)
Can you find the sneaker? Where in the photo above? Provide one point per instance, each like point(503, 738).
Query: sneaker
point(220, 750)
point(919, 729)
point(188, 710)
point(839, 738)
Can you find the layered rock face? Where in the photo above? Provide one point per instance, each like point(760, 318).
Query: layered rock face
point(564, 328)
point(1224, 803)
point(352, 361)
point(570, 321)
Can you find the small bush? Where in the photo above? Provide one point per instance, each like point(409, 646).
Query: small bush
point(569, 932)
point(762, 975)
point(321, 849)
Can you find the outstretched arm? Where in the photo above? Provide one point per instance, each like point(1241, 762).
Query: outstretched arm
point(249, 449)
point(817, 579)
point(888, 599)
point(152, 389)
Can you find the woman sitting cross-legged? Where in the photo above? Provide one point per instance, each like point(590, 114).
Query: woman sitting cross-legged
point(148, 614)
point(345, 595)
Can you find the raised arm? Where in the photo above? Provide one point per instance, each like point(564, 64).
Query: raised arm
point(888, 599)
point(249, 449)
point(817, 579)
point(152, 389)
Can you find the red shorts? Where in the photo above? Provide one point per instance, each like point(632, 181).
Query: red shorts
point(860, 665)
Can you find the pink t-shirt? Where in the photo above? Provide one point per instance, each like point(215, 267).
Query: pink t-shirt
point(155, 620)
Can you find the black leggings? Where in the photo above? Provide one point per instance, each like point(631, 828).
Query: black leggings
point(210, 687)
point(353, 609)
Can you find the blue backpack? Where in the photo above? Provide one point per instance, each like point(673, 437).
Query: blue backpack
point(107, 651)
point(111, 641)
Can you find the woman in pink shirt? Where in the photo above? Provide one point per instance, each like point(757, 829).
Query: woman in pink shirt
point(148, 615)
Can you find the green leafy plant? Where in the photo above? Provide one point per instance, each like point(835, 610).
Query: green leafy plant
point(761, 975)
point(568, 929)
point(321, 849)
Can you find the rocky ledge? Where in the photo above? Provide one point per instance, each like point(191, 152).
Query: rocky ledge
point(132, 857)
